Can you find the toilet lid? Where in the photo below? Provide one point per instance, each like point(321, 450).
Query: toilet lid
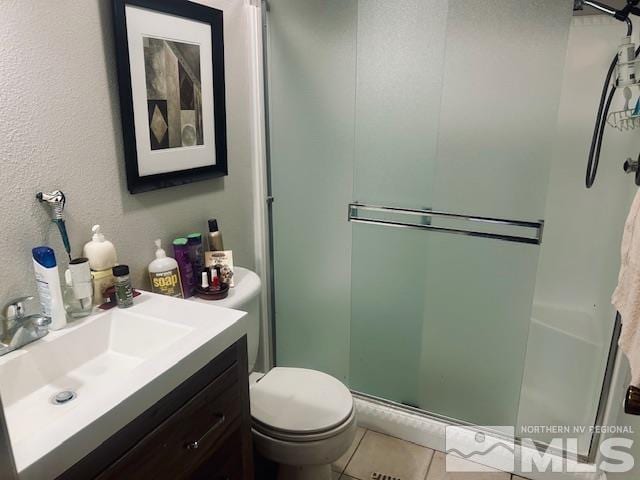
point(300, 400)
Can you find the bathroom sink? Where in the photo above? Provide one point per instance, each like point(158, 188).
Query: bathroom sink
point(66, 393)
point(86, 361)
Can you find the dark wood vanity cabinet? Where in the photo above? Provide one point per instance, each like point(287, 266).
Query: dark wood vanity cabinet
point(200, 430)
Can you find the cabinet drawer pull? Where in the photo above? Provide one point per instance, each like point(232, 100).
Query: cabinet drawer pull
point(195, 445)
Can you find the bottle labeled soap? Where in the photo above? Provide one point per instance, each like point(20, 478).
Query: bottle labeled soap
point(164, 274)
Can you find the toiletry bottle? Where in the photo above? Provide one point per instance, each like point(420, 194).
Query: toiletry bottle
point(124, 291)
point(214, 236)
point(48, 282)
point(181, 254)
point(215, 279)
point(102, 257)
point(100, 252)
point(194, 240)
point(164, 274)
point(78, 294)
point(626, 67)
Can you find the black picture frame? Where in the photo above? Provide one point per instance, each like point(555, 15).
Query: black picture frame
point(193, 11)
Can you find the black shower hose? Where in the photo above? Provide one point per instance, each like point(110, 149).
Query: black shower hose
point(603, 110)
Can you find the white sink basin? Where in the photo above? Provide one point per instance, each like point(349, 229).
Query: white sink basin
point(117, 363)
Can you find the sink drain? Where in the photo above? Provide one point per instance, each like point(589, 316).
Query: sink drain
point(63, 397)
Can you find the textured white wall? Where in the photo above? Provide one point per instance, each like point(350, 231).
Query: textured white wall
point(580, 255)
point(580, 252)
point(60, 129)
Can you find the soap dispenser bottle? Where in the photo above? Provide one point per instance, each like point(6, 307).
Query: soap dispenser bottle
point(100, 252)
point(164, 274)
point(102, 258)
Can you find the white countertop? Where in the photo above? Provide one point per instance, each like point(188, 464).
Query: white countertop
point(119, 362)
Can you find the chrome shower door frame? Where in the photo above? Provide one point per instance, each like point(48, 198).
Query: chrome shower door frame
point(427, 216)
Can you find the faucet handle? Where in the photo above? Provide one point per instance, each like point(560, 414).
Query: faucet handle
point(14, 309)
point(38, 320)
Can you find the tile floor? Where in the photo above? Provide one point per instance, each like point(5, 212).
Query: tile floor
point(375, 452)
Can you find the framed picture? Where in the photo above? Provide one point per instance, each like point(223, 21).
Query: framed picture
point(170, 57)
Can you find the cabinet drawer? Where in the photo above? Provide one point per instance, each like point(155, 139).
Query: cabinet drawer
point(187, 438)
point(226, 463)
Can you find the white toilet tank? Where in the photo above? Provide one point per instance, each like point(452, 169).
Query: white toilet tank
point(245, 296)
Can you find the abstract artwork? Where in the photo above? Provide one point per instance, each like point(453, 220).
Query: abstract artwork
point(170, 56)
point(174, 93)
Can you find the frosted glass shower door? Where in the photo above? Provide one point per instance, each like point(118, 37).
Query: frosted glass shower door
point(456, 106)
point(312, 91)
point(444, 328)
point(433, 113)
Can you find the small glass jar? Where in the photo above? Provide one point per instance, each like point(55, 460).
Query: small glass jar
point(122, 285)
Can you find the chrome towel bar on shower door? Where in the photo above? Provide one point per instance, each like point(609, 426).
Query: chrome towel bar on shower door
point(486, 227)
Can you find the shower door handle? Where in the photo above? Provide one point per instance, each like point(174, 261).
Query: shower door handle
point(519, 231)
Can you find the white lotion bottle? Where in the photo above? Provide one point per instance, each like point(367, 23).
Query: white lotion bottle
point(48, 283)
point(100, 252)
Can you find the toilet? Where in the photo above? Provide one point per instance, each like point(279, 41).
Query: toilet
point(303, 419)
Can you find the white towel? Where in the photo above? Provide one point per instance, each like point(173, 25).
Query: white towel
point(626, 297)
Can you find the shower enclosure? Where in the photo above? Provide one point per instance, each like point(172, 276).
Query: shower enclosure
point(433, 244)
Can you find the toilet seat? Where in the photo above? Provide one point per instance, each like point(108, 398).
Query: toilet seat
point(295, 437)
point(300, 405)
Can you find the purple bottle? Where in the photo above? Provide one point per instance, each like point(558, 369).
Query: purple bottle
point(196, 255)
point(181, 254)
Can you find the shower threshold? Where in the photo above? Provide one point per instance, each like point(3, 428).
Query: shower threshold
point(429, 430)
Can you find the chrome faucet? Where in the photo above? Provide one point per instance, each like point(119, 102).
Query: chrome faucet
point(17, 328)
